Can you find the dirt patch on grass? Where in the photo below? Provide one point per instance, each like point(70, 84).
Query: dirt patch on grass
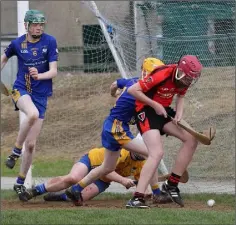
point(106, 204)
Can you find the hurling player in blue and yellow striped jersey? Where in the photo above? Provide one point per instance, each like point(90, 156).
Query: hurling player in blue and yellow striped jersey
point(37, 56)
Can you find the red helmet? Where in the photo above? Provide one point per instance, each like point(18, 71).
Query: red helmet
point(190, 65)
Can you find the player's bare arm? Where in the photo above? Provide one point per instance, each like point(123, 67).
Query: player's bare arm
point(127, 182)
point(113, 89)
point(44, 76)
point(179, 108)
point(4, 60)
point(137, 92)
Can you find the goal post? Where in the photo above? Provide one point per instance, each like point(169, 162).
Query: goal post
point(22, 7)
point(107, 36)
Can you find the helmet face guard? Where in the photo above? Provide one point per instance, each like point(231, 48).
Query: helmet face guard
point(183, 78)
point(188, 70)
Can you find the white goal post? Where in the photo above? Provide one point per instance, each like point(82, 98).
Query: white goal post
point(22, 7)
point(107, 36)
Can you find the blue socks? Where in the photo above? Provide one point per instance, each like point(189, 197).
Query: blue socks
point(77, 187)
point(20, 180)
point(64, 197)
point(40, 189)
point(156, 191)
point(16, 151)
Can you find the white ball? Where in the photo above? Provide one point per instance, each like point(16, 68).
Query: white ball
point(211, 202)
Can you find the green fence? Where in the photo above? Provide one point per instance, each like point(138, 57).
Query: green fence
point(203, 28)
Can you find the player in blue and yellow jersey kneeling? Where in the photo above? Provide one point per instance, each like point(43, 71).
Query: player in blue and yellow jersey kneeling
point(128, 165)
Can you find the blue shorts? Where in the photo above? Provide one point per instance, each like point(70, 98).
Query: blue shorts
point(102, 185)
point(40, 102)
point(86, 161)
point(115, 134)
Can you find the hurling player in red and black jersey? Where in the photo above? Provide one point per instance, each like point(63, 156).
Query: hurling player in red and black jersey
point(154, 95)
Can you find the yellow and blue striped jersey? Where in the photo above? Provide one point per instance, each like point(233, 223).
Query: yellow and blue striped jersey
point(33, 54)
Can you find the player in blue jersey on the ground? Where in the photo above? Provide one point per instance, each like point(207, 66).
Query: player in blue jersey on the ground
point(116, 134)
point(37, 56)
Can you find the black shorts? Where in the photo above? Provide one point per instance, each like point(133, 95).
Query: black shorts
point(147, 119)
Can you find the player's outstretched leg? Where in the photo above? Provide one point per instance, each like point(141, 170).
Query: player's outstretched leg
point(183, 159)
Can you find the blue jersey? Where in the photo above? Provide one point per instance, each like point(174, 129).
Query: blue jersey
point(38, 54)
point(124, 108)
